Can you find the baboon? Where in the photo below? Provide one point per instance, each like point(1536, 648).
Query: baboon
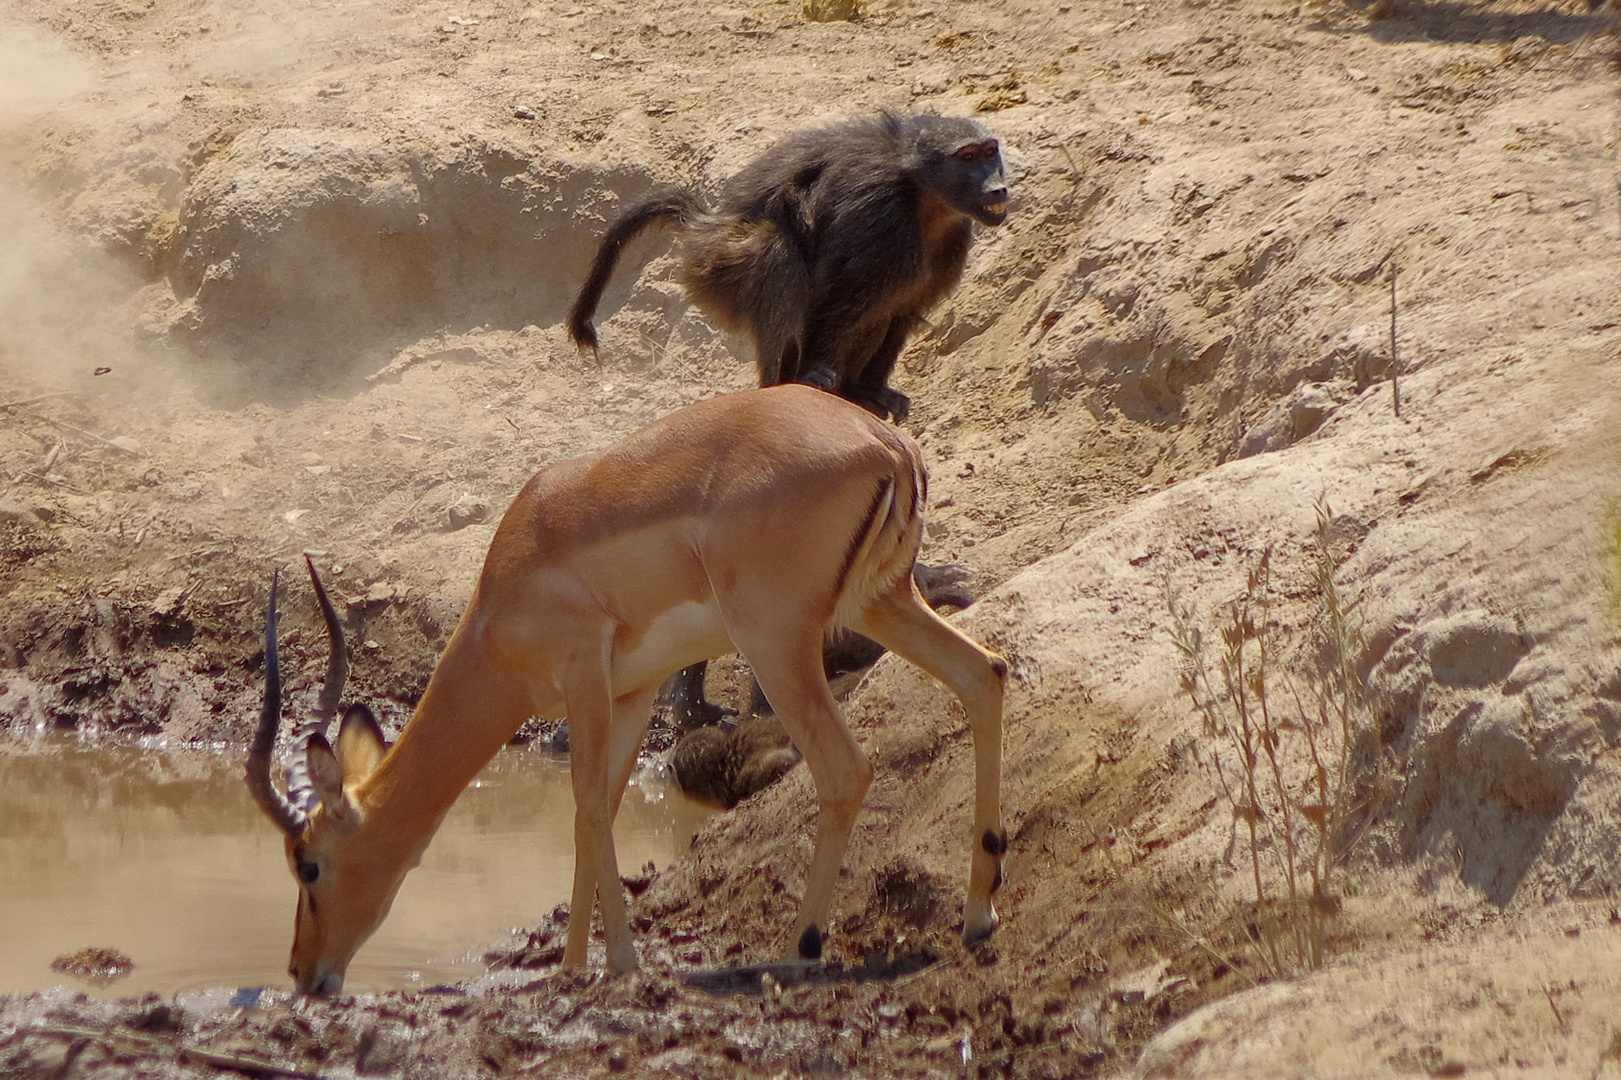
point(828, 248)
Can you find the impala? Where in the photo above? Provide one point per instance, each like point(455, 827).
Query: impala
point(754, 522)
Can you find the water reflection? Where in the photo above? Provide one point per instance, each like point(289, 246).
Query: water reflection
point(165, 857)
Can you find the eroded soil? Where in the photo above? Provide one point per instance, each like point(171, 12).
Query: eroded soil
point(287, 277)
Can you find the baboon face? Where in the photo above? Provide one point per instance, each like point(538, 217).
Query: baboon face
point(962, 162)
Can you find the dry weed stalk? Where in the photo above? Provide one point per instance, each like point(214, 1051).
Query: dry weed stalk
point(1612, 554)
point(1283, 750)
point(1395, 360)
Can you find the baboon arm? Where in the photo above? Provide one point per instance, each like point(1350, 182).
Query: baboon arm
point(859, 289)
point(783, 368)
point(875, 373)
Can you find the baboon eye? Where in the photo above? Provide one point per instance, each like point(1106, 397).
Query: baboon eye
point(308, 871)
point(975, 151)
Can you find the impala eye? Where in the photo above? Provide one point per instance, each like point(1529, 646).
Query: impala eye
point(308, 871)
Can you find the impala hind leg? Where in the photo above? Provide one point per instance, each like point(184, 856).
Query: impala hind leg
point(901, 622)
point(797, 690)
point(603, 740)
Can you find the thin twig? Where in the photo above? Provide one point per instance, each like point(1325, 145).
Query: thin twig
point(253, 1066)
point(92, 435)
point(1615, 141)
point(1395, 364)
point(45, 479)
point(944, 965)
point(1557, 1015)
point(39, 397)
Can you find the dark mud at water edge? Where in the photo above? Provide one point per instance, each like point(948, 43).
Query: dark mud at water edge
point(538, 1021)
point(147, 915)
point(161, 858)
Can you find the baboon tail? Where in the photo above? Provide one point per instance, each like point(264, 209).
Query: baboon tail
point(680, 206)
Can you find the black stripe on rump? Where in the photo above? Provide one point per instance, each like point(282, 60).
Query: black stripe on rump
point(860, 537)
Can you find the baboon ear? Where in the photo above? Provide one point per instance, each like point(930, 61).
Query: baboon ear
point(360, 743)
point(326, 775)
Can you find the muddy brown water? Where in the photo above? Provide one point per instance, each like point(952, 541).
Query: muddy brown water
point(163, 856)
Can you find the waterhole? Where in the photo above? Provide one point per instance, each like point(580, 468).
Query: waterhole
point(163, 857)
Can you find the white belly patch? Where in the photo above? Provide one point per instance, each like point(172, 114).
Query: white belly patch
point(680, 636)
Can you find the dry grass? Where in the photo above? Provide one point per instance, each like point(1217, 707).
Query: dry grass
point(1282, 744)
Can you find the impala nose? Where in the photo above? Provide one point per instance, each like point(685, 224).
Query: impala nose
point(319, 986)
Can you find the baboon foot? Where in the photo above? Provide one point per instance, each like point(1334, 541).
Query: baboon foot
point(823, 378)
point(883, 401)
point(849, 651)
point(685, 692)
point(889, 404)
point(690, 714)
point(943, 584)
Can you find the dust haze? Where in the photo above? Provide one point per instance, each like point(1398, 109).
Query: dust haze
point(58, 291)
point(323, 251)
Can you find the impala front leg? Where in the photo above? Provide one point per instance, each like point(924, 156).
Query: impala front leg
point(792, 679)
point(596, 798)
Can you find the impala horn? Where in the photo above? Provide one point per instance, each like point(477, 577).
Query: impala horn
point(290, 812)
point(299, 787)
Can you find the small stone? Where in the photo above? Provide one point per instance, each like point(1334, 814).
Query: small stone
point(158, 1018)
point(98, 964)
point(382, 1049)
point(170, 602)
point(523, 114)
point(831, 10)
point(464, 511)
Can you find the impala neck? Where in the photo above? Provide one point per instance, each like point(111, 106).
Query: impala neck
point(468, 712)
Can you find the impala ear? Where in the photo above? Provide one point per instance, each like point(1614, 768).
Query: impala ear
point(360, 743)
point(326, 775)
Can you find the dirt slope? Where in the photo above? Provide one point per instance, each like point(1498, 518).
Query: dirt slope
point(322, 250)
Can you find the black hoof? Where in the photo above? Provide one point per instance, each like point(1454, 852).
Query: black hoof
point(810, 944)
point(974, 937)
